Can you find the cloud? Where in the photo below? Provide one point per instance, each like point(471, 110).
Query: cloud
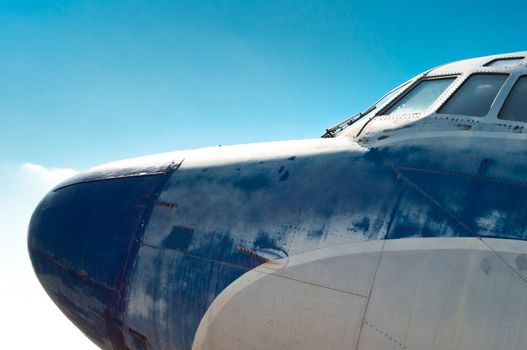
point(24, 303)
point(46, 176)
point(22, 186)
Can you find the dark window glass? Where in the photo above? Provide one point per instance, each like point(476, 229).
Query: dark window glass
point(505, 62)
point(515, 107)
point(421, 97)
point(475, 96)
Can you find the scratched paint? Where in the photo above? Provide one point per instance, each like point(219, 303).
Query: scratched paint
point(235, 203)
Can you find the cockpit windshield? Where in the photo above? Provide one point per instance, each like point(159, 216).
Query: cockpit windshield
point(421, 97)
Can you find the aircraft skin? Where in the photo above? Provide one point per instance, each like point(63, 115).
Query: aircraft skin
point(393, 231)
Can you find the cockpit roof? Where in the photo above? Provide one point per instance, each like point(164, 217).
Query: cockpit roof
point(488, 89)
point(486, 63)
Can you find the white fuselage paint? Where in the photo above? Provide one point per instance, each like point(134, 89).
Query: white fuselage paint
point(415, 293)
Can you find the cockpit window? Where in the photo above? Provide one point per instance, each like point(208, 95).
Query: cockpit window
point(505, 62)
point(421, 97)
point(515, 107)
point(475, 96)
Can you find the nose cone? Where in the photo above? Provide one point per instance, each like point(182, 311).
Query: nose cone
point(82, 241)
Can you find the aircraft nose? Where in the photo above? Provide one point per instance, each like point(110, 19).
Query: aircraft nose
point(82, 241)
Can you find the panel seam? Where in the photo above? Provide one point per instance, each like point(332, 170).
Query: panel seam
point(369, 296)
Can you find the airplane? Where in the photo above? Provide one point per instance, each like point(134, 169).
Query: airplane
point(402, 227)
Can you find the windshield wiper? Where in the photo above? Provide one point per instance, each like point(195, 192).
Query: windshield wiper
point(337, 129)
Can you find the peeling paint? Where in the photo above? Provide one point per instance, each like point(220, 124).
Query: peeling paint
point(284, 176)
point(179, 238)
point(521, 261)
point(253, 183)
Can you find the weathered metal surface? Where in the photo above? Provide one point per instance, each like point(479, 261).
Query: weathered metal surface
point(404, 232)
point(445, 294)
point(421, 294)
point(229, 206)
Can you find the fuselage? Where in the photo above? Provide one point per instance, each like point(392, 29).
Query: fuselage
point(404, 231)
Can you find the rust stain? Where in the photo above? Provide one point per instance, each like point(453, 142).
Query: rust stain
point(80, 274)
point(166, 204)
point(136, 334)
point(252, 253)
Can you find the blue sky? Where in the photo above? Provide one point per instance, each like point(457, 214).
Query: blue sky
point(87, 82)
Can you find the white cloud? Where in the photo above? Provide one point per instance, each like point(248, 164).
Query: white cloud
point(48, 176)
point(22, 186)
point(26, 309)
